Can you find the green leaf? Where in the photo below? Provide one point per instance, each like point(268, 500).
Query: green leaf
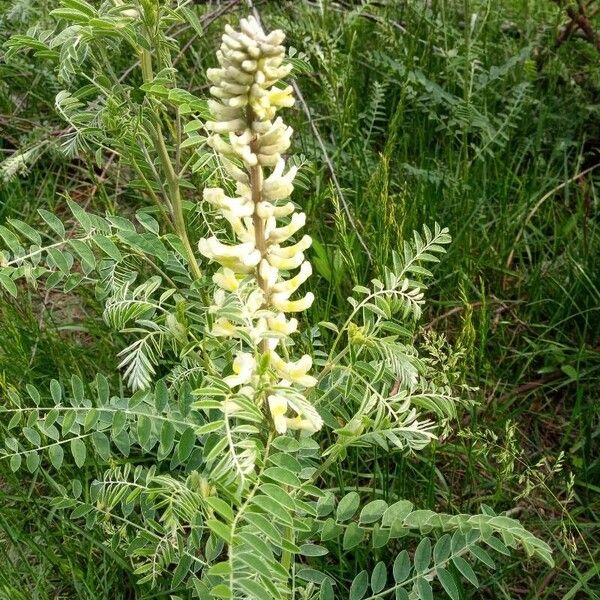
point(26, 230)
point(68, 422)
point(77, 388)
point(91, 418)
point(283, 476)
point(273, 509)
point(280, 495)
point(8, 284)
point(258, 564)
point(353, 536)
point(14, 421)
point(309, 574)
point(220, 569)
point(313, 550)
point(378, 577)
point(148, 222)
point(123, 442)
point(55, 391)
point(220, 529)
point(497, 545)
point(84, 252)
point(423, 588)
point(422, 556)
point(102, 389)
point(80, 215)
point(34, 394)
point(396, 512)
point(167, 438)
point(161, 396)
point(108, 247)
point(326, 592)
point(359, 586)
point(401, 568)
point(325, 504)
point(59, 259)
point(221, 507)
point(209, 428)
point(265, 526)
point(348, 506)
point(32, 461)
point(181, 570)
point(101, 443)
point(53, 222)
point(72, 281)
point(466, 570)
point(32, 435)
point(373, 511)
point(11, 240)
point(15, 462)
point(448, 583)
point(330, 530)
point(78, 451)
point(118, 422)
point(483, 556)
point(380, 536)
point(442, 549)
point(186, 444)
point(253, 588)
point(285, 443)
point(220, 591)
point(80, 511)
point(56, 454)
point(144, 429)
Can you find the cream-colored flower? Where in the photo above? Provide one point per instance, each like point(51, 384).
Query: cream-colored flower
point(226, 279)
point(281, 302)
point(280, 324)
point(241, 257)
point(289, 286)
point(281, 234)
point(278, 407)
point(237, 207)
point(244, 366)
point(295, 372)
point(224, 328)
point(265, 210)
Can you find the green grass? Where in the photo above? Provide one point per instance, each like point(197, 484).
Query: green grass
point(486, 130)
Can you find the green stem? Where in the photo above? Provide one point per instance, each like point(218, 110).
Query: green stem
point(146, 64)
point(170, 174)
point(176, 201)
point(286, 555)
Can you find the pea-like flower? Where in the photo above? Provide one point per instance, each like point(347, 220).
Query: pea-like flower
point(258, 266)
point(244, 367)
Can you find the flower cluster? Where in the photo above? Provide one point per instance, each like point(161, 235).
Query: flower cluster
point(249, 140)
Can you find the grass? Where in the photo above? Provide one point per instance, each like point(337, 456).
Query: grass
point(426, 114)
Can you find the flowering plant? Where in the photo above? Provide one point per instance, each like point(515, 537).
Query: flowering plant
point(212, 473)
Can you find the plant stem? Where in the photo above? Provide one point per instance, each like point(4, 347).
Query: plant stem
point(146, 64)
point(286, 555)
point(257, 222)
point(170, 174)
point(256, 179)
point(176, 200)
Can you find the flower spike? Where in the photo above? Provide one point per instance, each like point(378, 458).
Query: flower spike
point(250, 139)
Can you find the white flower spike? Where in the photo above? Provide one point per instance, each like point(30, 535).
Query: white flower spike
point(250, 140)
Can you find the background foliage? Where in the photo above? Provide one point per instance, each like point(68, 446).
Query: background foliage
point(461, 113)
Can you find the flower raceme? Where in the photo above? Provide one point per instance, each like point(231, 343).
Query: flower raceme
point(249, 140)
